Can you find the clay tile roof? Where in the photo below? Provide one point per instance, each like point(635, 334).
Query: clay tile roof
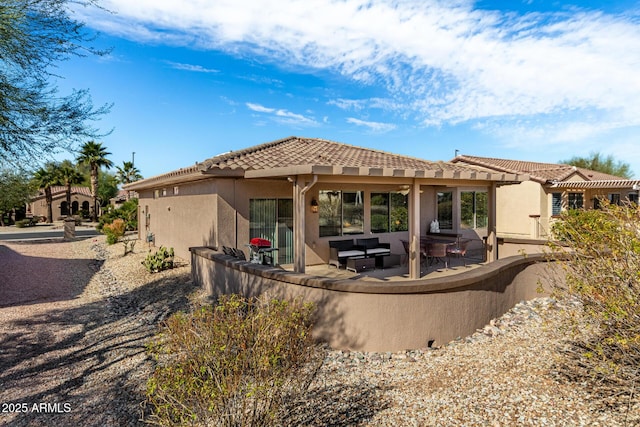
point(61, 189)
point(540, 172)
point(295, 151)
point(294, 154)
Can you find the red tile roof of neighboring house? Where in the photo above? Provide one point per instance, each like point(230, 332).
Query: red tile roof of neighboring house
point(56, 190)
point(297, 156)
point(540, 172)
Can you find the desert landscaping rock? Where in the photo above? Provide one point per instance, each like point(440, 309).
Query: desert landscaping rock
point(76, 342)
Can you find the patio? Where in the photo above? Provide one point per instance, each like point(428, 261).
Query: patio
point(456, 265)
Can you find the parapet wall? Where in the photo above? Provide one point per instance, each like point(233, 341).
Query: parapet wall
point(384, 316)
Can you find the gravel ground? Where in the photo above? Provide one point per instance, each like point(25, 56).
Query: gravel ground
point(72, 352)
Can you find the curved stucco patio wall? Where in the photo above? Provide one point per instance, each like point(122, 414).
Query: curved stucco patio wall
point(384, 316)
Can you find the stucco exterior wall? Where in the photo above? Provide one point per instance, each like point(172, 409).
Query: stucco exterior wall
point(179, 220)
point(383, 316)
point(519, 210)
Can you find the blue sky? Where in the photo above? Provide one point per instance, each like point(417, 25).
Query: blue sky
point(527, 80)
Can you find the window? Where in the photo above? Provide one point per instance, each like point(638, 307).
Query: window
point(156, 194)
point(614, 198)
point(445, 211)
point(389, 212)
point(164, 192)
point(473, 209)
point(633, 197)
point(576, 200)
point(176, 190)
point(556, 203)
point(341, 213)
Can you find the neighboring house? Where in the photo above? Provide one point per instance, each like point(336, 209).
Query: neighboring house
point(526, 211)
point(121, 197)
point(80, 201)
point(301, 193)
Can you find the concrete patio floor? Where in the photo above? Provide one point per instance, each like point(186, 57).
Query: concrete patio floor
point(396, 273)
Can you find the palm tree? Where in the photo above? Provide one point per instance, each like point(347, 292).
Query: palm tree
point(127, 173)
point(69, 176)
point(94, 155)
point(45, 178)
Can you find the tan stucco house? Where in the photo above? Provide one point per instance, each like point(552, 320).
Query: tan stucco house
point(80, 201)
point(300, 193)
point(526, 211)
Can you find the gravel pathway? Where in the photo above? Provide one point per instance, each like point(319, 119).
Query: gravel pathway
point(72, 353)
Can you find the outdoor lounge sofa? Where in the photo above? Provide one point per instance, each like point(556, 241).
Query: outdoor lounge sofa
point(373, 248)
point(341, 250)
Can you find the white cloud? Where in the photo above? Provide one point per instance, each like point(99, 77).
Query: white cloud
point(283, 116)
point(259, 108)
point(191, 67)
point(439, 61)
point(373, 126)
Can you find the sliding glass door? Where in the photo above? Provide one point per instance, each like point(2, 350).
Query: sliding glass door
point(272, 219)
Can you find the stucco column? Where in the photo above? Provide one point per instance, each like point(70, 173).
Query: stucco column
point(299, 221)
point(492, 237)
point(414, 231)
point(299, 258)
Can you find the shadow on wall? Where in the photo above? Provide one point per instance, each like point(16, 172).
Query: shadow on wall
point(328, 318)
point(384, 316)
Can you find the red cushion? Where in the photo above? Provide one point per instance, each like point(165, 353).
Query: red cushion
point(257, 241)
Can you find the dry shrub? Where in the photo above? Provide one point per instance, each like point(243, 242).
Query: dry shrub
point(603, 276)
point(114, 231)
point(236, 364)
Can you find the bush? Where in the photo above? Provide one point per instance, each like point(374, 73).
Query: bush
point(128, 212)
point(27, 222)
point(235, 364)
point(604, 276)
point(159, 261)
point(114, 231)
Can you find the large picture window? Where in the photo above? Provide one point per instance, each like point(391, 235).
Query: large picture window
point(445, 210)
point(389, 212)
point(473, 209)
point(340, 212)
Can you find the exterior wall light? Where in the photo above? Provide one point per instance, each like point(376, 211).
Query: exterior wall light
point(314, 205)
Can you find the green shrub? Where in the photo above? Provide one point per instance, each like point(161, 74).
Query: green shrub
point(603, 274)
point(27, 222)
point(159, 261)
point(128, 212)
point(235, 364)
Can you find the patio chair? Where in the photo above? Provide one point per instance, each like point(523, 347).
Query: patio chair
point(437, 251)
point(405, 245)
point(459, 250)
point(239, 253)
point(423, 253)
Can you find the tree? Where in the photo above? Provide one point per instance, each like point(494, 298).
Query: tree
point(94, 155)
point(107, 187)
point(35, 119)
point(128, 173)
point(602, 275)
point(44, 179)
point(15, 190)
point(69, 176)
point(597, 162)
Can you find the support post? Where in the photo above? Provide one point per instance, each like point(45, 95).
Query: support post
point(414, 231)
